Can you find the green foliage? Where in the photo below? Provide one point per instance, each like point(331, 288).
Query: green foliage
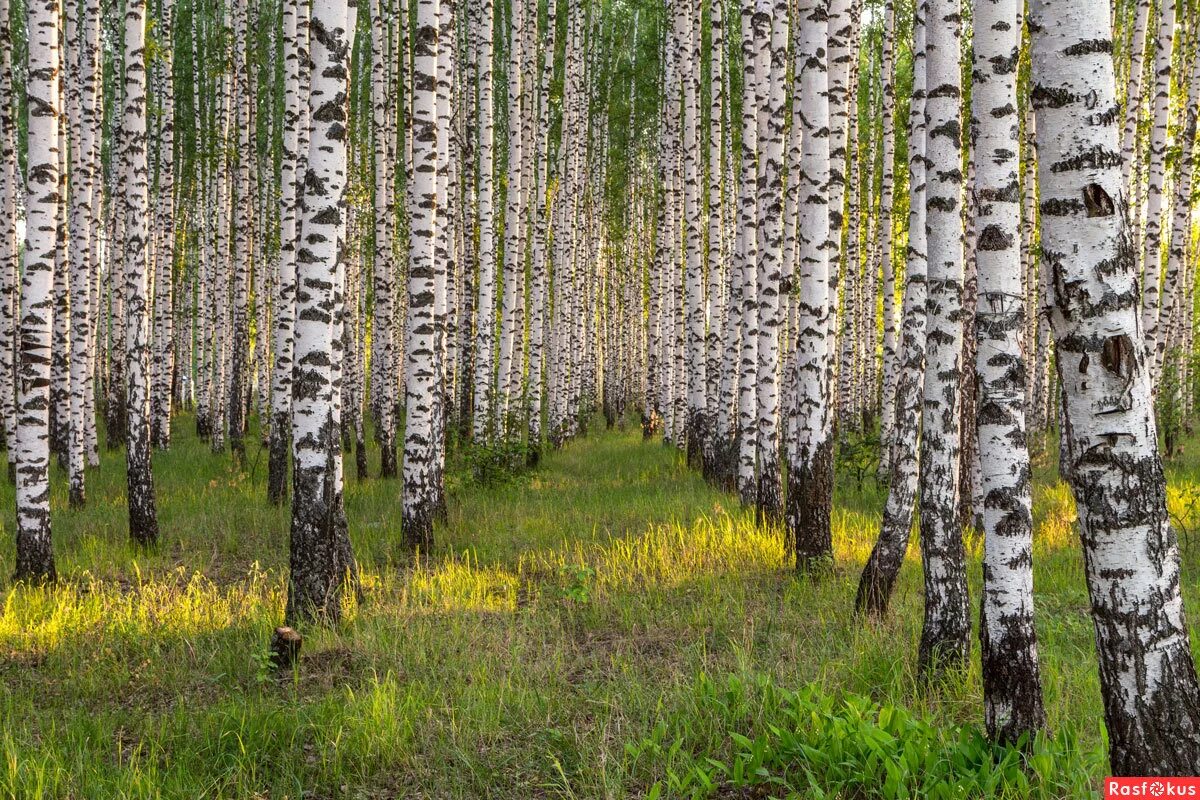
point(502, 463)
point(811, 744)
point(1168, 405)
point(578, 579)
point(858, 456)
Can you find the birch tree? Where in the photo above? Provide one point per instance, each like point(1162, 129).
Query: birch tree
point(285, 263)
point(887, 556)
point(423, 369)
point(810, 483)
point(35, 555)
point(1111, 460)
point(1011, 677)
point(143, 515)
point(321, 560)
point(1156, 178)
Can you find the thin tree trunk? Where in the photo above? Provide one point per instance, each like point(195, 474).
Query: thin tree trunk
point(143, 515)
point(1012, 690)
point(883, 565)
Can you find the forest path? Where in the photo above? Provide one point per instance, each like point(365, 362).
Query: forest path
point(607, 599)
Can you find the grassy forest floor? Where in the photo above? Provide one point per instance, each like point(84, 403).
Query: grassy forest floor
point(605, 626)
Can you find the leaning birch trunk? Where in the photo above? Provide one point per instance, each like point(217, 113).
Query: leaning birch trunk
point(945, 639)
point(422, 368)
point(143, 516)
point(1012, 690)
point(320, 557)
point(35, 555)
point(1131, 555)
point(883, 565)
point(810, 486)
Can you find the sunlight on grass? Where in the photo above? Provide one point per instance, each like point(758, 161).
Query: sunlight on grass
point(564, 616)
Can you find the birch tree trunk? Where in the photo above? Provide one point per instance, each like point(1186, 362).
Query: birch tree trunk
point(719, 273)
point(1156, 178)
point(83, 259)
point(747, 258)
point(383, 385)
point(35, 554)
point(422, 368)
point(810, 483)
point(1131, 555)
point(946, 633)
point(162, 365)
point(485, 347)
point(285, 263)
point(1133, 92)
point(320, 558)
point(883, 565)
point(1012, 690)
point(514, 262)
point(770, 38)
point(143, 515)
point(10, 303)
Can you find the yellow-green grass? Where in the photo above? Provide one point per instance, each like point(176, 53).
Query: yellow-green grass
point(563, 621)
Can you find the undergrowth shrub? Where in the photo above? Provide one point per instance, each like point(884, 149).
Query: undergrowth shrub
point(857, 456)
point(502, 463)
point(751, 738)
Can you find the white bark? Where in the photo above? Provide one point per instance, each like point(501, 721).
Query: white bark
point(1111, 460)
point(1011, 677)
point(320, 547)
point(35, 558)
point(422, 362)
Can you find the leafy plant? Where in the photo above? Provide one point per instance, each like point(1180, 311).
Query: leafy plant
point(807, 743)
point(578, 582)
point(494, 465)
point(858, 456)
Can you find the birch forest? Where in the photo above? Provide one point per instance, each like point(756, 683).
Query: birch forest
point(599, 398)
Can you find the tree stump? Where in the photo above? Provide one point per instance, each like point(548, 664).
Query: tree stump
point(285, 647)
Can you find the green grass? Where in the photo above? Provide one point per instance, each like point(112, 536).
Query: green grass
point(600, 628)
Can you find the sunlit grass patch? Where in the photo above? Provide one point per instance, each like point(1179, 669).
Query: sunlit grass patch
point(561, 616)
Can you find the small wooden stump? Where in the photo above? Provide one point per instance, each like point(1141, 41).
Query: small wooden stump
point(285, 647)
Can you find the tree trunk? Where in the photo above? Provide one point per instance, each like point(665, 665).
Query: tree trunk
point(143, 516)
point(35, 555)
point(1131, 555)
point(321, 560)
point(810, 483)
point(285, 265)
point(883, 565)
point(422, 369)
point(1012, 689)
